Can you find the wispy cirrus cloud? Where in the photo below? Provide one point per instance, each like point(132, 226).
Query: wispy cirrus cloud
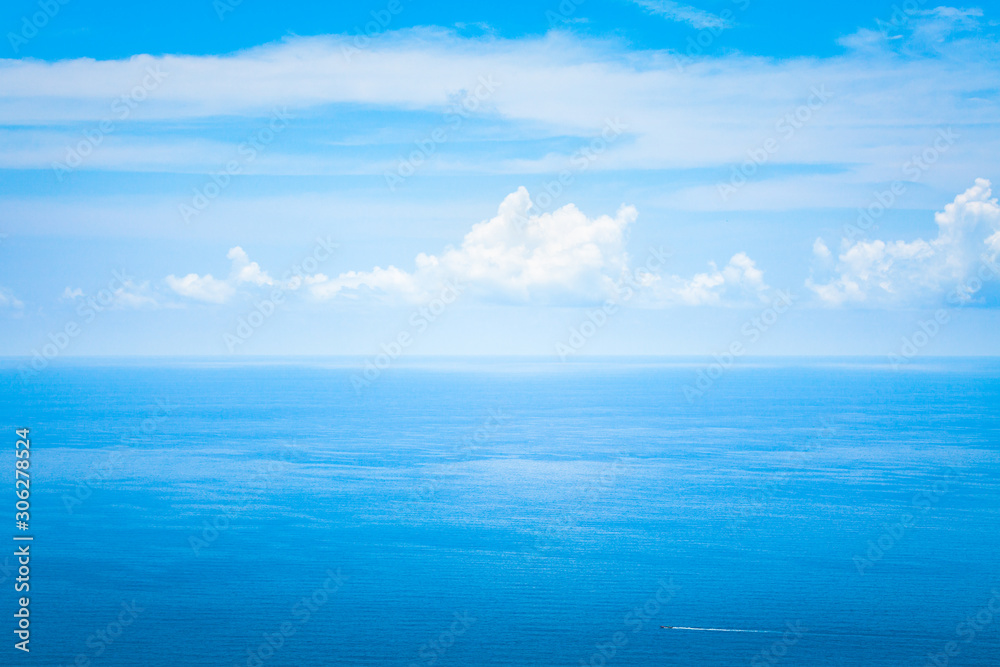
point(552, 87)
point(921, 32)
point(122, 293)
point(676, 11)
point(8, 300)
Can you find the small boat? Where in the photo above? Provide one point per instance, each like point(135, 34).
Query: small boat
point(667, 627)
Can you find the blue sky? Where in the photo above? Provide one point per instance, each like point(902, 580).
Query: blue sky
point(567, 179)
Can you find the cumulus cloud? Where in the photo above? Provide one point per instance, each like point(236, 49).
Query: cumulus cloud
point(245, 271)
point(519, 255)
point(523, 255)
point(210, 289)
point(738, 282)
point(820, 251)
point(899, 272)
point(201, 288)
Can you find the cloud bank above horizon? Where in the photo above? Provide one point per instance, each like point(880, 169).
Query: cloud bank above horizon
point(565, 258)
point(537, 169)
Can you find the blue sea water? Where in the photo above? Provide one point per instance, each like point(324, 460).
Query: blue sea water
point(499, 512)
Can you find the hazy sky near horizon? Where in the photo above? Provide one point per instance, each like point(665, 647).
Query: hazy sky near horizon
point(645, 177)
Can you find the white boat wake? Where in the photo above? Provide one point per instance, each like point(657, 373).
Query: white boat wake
point(678, 627)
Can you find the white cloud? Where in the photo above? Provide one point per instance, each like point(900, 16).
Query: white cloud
point(738, 282)
point(126, 295)
point(201, 288)
point(551, 86)
point(520, 255)
point(8, 300)
point(820, 250)
point(917, 31)
point(918, 271)
point(215, 290)
point(245, 271)
point(525, 256)
point(130, 295)
point(676, 11)
point(389, 280)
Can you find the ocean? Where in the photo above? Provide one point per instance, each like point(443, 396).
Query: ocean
point(507, 512)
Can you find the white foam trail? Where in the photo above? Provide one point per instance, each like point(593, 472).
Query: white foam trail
point(677, 627)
